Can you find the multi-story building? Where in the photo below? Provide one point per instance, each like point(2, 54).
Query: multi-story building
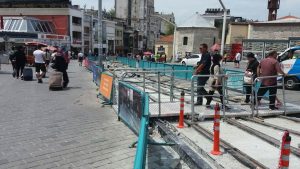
point(109, 34)
point(164, 25)
point(67, 19)
point(119, 45)
point(142, 29)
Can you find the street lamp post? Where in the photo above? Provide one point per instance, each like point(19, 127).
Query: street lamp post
point(100, 34)
point(224, 27)
point(174, 38)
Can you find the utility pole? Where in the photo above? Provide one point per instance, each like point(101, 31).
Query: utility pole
point(100, 57)
point(224, 27)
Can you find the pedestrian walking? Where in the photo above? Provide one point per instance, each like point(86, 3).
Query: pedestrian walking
point(39, 59)
point(202, 69)
point(225, 57)
point(47, 58)
point(60, 64)
point(269, 67)
point(250, 76)
point(237, 60)
point(20, 61)
point(215, 81)
point(80, 58)
point(12, 59)
point(67, 57)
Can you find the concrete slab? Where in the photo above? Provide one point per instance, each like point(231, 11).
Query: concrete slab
point(226, 160)
point(284, 123)
point(277, 134)
point(251, 145)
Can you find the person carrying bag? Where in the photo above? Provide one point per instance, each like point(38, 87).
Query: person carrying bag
point(250, 76)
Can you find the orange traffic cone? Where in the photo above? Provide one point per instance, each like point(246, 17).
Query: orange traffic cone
point(216, 146)
point(181, 115)
point(285, 151)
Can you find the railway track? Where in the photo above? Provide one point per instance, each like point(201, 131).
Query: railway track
point(269, 139)
point(236, 153)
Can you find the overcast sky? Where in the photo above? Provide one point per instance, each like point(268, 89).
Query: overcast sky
point(183, 9)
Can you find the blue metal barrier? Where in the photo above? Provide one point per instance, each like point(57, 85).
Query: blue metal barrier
point(140, 156)
point(96, 74)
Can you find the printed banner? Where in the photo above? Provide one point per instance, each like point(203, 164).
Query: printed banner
point(130, 106)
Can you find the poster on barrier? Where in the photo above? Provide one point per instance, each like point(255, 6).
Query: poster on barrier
point(106, 85)
point(130, 106)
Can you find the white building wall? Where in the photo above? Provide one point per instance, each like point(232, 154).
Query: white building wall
point(121, 9)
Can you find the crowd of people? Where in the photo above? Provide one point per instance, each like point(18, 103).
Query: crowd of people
point(43, 59)
point(210, 72)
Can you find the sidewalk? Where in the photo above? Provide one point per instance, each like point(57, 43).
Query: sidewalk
point(60, 129)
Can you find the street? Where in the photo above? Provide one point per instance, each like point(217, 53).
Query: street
point(59, 129)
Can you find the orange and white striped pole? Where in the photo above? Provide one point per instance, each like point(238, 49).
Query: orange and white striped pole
point(216, 146)
point(181, 115)
point(284, 159)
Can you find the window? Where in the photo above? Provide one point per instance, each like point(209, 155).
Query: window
point(17, 25)
point(185, 40)
point(194, 56)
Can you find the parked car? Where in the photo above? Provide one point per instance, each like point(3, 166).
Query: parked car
point(192, 60)
point(291, 66)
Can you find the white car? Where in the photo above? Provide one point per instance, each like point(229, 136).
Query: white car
point(192, 60)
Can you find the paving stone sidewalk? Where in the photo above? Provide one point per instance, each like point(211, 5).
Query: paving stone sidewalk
point(59, 129)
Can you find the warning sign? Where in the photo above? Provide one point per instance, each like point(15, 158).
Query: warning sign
point(106, 84)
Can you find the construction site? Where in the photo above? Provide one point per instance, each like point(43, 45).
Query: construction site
point(239, 136)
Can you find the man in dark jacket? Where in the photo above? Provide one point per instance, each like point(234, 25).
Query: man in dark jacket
point(12, 59)
point(60, 64)
point(251, 71)
point(20, 61)
point(202, 69)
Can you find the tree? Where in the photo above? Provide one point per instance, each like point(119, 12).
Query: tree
point(170, 29)
point(112, 13)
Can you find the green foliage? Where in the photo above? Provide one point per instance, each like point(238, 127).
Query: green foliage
point(170, 29)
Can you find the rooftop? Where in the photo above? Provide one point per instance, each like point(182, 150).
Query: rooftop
point(196, 21)
point(28, 24)
point(166, 39)
point(285, 19)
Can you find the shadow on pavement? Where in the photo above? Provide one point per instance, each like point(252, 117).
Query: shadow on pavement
point(70, 88)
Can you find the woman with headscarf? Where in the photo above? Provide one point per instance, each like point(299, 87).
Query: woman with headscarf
point(61, 65)
point(216, 80)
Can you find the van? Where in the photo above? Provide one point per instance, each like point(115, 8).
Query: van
point(290, 64)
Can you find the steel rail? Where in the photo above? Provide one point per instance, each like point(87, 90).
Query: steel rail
point(261, 122)
point(276, 143)
point(236, 153)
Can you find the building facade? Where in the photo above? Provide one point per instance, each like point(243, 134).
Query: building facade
point(164, 25)
point(109, 34)
point(165, 46)
point(141, 26)
point(67, 19)
point(119, 43)
point(195, 31)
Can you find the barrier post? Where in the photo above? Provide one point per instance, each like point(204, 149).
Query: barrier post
point(192, 99)
point(181, 115)
point(256, 96)
point(172, 87)
point(144, 81)
point(159, 102)
point(224, 96)
point(216, 146)
point(283, 94)
point(285, 151)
